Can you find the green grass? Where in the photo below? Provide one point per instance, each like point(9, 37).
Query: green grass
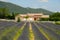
point(57, 22)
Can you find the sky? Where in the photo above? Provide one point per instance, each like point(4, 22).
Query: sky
point(51, 5)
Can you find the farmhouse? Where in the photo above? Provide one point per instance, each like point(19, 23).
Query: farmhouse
point(31, 16)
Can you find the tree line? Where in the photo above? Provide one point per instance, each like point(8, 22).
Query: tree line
point(53, 17)
point(5, 14)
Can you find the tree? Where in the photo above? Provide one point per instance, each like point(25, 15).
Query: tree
point(4, 12)
point(18, 19)
point(44, 19)
point(27, 17)
point(55, 17)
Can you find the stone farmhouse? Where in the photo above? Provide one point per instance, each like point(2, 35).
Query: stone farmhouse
point(31, 16)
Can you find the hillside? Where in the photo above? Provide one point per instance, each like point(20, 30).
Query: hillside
point(18, 9)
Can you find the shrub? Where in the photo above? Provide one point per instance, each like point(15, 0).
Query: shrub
point(18, 20)
point(58, 23)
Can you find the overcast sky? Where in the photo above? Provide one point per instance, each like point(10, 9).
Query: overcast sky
point(52, 5)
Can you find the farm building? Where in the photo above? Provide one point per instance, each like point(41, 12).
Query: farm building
point(31, 16)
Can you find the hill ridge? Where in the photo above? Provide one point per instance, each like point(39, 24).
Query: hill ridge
point(19, 9)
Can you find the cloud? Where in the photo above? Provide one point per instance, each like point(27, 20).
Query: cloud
point(43, 0)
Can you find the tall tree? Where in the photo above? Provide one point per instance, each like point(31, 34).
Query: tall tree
point(55, 17)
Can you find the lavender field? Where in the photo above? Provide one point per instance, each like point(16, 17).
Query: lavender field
point(29, 31)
